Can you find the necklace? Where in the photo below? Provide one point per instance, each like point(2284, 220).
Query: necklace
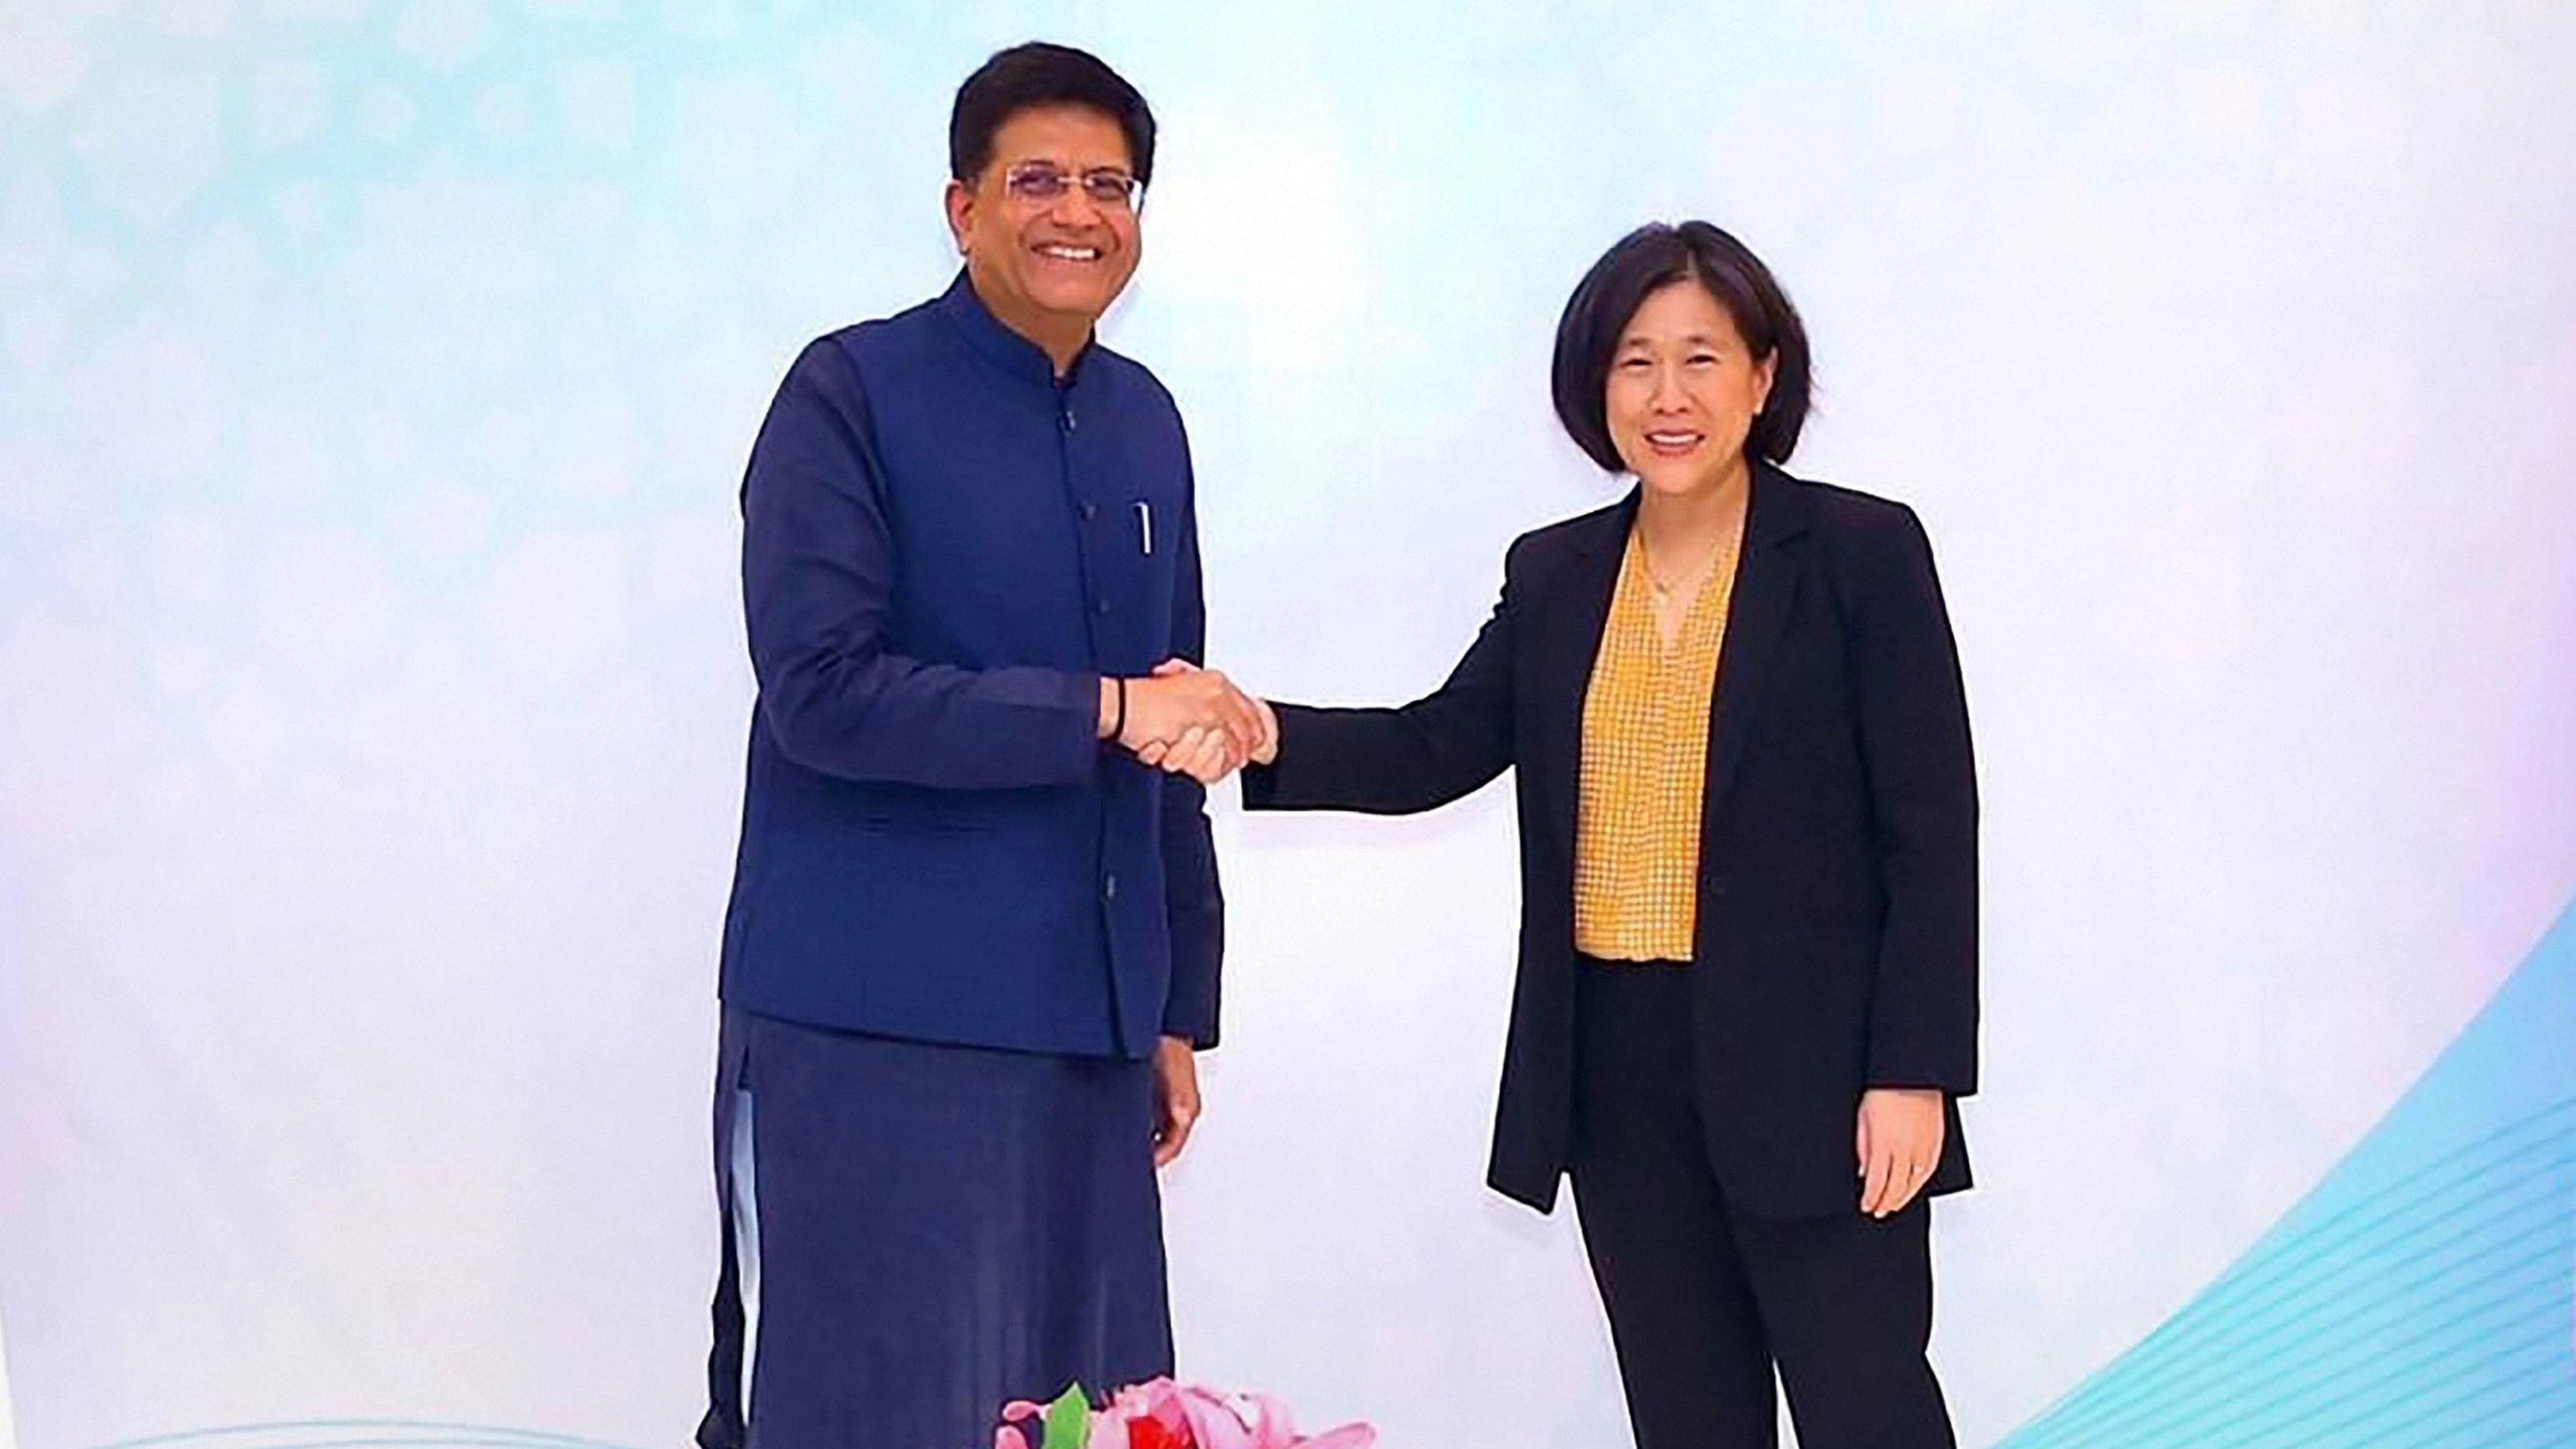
point(1656, 581)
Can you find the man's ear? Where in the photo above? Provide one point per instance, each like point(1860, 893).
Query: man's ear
point(961, 212)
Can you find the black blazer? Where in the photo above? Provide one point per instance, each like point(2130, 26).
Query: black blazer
point(1837, 933)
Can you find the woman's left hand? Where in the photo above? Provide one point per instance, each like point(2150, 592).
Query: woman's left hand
point(1900, 1143)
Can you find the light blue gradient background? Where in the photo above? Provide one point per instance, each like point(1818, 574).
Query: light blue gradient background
point(374, 381)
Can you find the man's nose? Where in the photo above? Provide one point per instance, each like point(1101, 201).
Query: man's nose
point(1075, 207)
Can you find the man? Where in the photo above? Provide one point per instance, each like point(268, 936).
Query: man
point(973, 942)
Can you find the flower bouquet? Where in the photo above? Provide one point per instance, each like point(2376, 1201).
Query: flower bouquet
point(1161, 1414)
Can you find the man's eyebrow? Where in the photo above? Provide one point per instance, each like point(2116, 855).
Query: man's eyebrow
point(1066, 166)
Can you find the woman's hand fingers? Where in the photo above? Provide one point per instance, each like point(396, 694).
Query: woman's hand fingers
point(1205, 755)
point(1917, 1171)
point(1898, 1139)
point(1177, 756)
point(1210, 760)
point(1265, 750)
point(1222, 760)
point(1878, 1174)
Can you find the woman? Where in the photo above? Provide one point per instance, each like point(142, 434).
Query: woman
point(1747, 998)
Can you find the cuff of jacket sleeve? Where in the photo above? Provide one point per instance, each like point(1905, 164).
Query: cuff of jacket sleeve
point(1261, 782)
point(1191, 1021)
point(1920, 1076)
point(1082, 697)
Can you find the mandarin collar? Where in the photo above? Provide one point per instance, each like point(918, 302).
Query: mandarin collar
point(999, 345)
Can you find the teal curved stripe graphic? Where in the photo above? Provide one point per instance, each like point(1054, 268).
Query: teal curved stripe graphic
point(2424, 1294)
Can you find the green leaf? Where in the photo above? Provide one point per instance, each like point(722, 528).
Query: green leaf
point(1068, 1419)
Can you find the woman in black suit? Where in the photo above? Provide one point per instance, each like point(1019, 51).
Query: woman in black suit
point(1747, 993)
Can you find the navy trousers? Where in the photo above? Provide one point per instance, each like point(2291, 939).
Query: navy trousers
point(915, 1233)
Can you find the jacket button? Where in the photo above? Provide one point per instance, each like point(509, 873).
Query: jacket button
point(1090, 511)
point(1104, 606)
point(1109, 888)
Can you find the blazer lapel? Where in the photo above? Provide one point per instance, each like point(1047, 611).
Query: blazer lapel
point(1570, 619)
point(1766, 582)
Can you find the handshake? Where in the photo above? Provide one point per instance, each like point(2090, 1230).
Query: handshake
point(1189, 721)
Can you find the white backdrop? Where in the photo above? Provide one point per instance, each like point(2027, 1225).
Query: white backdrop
point(374, 381)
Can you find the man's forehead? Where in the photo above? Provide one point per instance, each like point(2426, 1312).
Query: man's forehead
point(1076, 134)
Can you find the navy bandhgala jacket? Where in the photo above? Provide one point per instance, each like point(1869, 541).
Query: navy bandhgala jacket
point(945, 548)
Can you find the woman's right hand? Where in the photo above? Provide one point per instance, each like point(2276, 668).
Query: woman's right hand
point(1203, 754)
point(1265, 750)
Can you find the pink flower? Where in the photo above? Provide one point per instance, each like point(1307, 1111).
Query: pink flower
point(1244, 1421)
point(1161, 1412)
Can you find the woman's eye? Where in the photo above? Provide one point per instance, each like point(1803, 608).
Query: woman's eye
point(1634, 364)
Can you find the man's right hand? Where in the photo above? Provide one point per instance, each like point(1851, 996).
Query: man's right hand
point(1163, 709)
point(1206, 754)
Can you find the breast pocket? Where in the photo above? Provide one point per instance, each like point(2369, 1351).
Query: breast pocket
point(1143, 546)
point(1129, 485)
point(1150, 521)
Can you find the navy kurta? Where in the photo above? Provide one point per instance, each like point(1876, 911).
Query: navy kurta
point(960, 922)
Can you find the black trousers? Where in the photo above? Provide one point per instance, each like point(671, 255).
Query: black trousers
point(1705, 1302)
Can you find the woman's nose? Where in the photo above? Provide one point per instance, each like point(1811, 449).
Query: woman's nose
point(1668, 395)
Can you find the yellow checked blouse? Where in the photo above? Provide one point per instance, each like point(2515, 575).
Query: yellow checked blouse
point(1644, 767)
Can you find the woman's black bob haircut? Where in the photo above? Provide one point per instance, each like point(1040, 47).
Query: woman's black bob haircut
point(1036, 74)
point(1643, 262)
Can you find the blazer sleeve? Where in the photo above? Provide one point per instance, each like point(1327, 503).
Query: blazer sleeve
point(1912, 713)
point(1426, 754)
point(1195, 904)
point(818, 576)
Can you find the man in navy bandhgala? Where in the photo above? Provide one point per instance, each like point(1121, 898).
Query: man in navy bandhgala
point(973, 941)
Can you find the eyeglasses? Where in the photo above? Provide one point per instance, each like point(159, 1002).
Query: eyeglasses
point(1043, 183)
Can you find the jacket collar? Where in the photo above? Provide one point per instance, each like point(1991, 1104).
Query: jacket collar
point(1777, 510)
point(996, 342)
point(1766, 586)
